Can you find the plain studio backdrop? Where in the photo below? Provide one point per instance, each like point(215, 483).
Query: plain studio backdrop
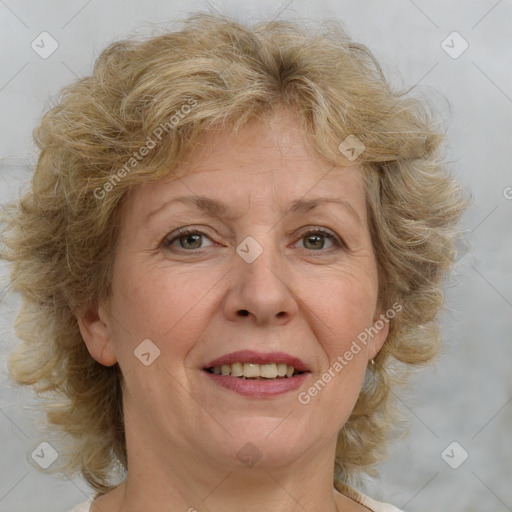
point(458, 455)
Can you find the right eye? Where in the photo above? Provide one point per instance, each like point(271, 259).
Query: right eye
point(189, 239)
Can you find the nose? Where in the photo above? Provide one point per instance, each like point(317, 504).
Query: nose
point(261, 289)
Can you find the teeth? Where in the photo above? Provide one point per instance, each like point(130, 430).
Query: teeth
point(268, 371)
point(237, 370)
point(255, 371)
point(281, 369)
point(251, 370)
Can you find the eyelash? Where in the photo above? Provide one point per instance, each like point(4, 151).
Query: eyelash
point(191, 231)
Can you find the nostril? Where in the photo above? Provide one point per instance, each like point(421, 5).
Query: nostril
point(244, 312)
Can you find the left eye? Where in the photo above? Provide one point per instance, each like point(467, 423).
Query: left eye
point(315, 238)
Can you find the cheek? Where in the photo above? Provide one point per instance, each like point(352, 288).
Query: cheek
point(343, 315)
point(344, 308)
point(166, 308)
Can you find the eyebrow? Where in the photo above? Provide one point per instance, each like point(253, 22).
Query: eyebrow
point(219, 209)
point(305, 205)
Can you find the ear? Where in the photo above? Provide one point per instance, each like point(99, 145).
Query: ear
point(381, 325)
point(93, 325)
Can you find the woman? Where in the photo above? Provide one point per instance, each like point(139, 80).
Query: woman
point(232, 249)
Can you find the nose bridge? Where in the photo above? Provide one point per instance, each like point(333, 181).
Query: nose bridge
point(262, 259)
point(262, 286)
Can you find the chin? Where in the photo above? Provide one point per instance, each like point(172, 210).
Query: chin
point(264, 448)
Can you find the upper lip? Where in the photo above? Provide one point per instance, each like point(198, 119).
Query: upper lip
point(248, 356)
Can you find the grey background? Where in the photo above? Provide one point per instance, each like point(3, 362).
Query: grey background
point(467, 397)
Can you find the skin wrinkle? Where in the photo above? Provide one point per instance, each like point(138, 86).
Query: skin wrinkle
point(334, 301)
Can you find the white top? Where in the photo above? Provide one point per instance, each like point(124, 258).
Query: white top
point(375, 506)
point(83, 507)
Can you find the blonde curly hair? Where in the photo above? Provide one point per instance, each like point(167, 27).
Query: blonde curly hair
point(60, 237)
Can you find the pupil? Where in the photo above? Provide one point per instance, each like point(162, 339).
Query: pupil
point(318, 238)
point(188, 237)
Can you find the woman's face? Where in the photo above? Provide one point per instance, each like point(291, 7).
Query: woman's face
point(249, 279)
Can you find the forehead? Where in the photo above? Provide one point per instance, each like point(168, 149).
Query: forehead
point(269, 144)
point(268, 163)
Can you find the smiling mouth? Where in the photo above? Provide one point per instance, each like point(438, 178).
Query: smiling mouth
point(253, 371)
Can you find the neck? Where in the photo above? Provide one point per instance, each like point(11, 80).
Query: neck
point(180, 481)
point(232, 492)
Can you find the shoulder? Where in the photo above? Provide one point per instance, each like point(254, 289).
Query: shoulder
point(377, 506)
point(368, 503)
point(83, 507)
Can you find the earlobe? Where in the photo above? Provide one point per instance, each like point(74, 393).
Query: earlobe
point(96, 334)
point(377, 342)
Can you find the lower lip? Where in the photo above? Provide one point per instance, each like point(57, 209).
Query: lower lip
point(259, 388)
